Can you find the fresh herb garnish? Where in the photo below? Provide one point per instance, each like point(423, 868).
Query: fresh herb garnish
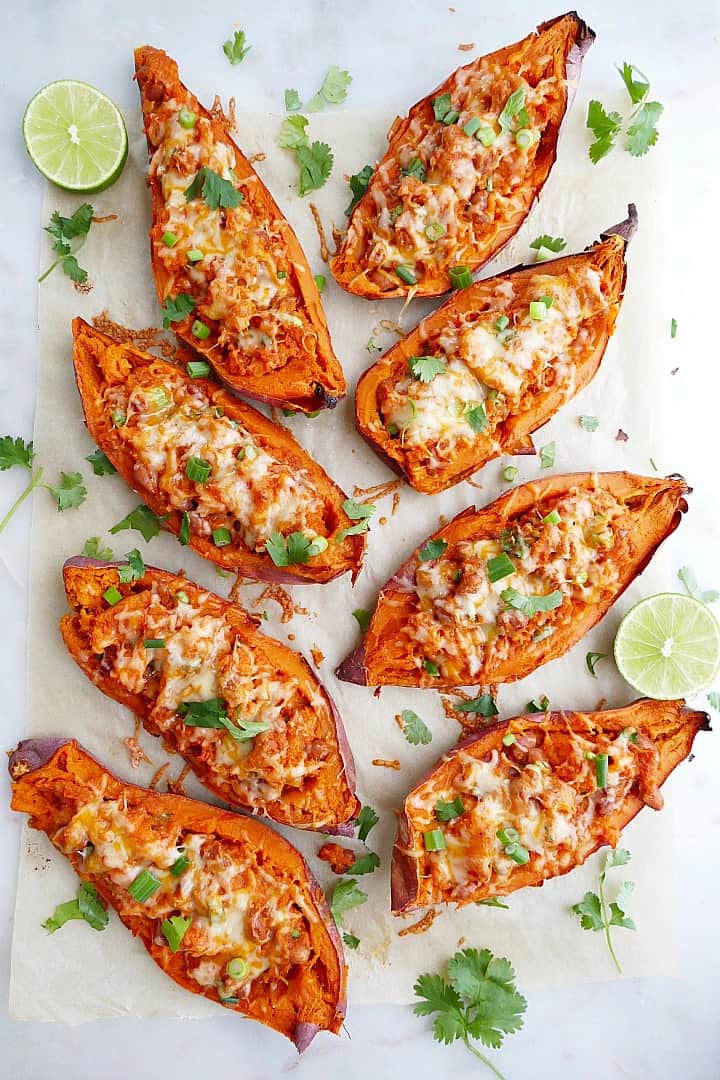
point(177, 308)
point(442, 105)
point(358, 186)
point(539, 704)
point(605, 127)
point(510, 473)
point(174, 930)
point(358, 512)
point(351, 941)
point(346, 895)
point(366, 821)
point(493, 901)
point(316, 164)
point(414, 729)
point(87, 906)
point(531, 605)
point(135, 569)
point(333, 91)
point(477, 419)
point(589, 423)
point(70, 491)
point(460, 277)
point(64, 230)
point(213, 714)
point(142, 887)
point(713, 700)
point(477, 1000)
point(101, 465)
point(641, 132)
point(594, 911)
point(592, 659)
point(295, 549)
point(510, 840)
point(447, 811)
point(414, 168)
point(293, 101)
point(547, 245)
point(365, 864)
point(673, 328)
point(500, 566)
point(484, 704)
point(216, 192)
point(547, 455)
point(512, 110)
point(425, 368)
point(689, 581)
point(292, 132)
point(92, 549)
point(432, 668)
point(362, 618)
point(236, 50)
point(143, 519)
point(514, 543)
point(433, 549)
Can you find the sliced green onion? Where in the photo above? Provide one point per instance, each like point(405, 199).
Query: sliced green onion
point(281, 275)
point(169, 239)
point(510, 473)
point(489, 184)
point(501, 323)
point(187, 118)
point(431, 668)
point(435, 840)
point(510, 840)
point(673, 328)
point(312, 415)
point(486, 136)
point(144, 886)
point(182, 597)
point(406, 274)
point(538, 311)
point(221, 537)
point(159, 397)
point(434, 231)
point(119, 417)
point(499, 567)
point(524, 138)
point(581, 578)
point(184, 533)
point(460, 277)
point(198, 369)
point(508, 739)
point(195, 255)
point(237, 968)
point(180, 865)
point(200, 330)
point(553, 518)
point(601, 770)
point(320, 281)
point(472, 125)
point(174, 930)
point(154, 643)
point(198, 469)
point(451, 117)
point(112, 595)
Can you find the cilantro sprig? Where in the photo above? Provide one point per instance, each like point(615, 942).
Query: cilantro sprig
point(333, 91)
point(595, 912)
point(414, 728)
point(297, 548)
point(235, 48)
point(143, 520)
point(345, 896)
point(425, 368)
point(216, 192)
point(641, 126)
point(213, 714)
point(706, 596)
point(358, 186)
point(366, 822)
point(478, 999)
point(69, 492)
point(64, 231)
point(315, 160)
point(360, 513)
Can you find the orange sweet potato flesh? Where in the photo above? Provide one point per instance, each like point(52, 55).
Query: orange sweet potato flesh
point(552, 54)
point(54, 778)
point(303, 372)
point(323, 799)
point(541, 399)
point(101, 363)
point(663, 734)
point(389, 656)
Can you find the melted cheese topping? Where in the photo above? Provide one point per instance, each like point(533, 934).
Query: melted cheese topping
point(494, 358)
point(249, 491)
point(202, 659)
point(238, 908)
point(544, 787)
point(462, 616)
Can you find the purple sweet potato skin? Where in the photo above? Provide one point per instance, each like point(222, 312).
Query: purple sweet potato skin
point(32, 754)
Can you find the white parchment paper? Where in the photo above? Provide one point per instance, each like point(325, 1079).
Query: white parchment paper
point(77, 974)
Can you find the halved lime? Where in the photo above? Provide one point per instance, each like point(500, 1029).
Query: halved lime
point(668, 646)
point(75, 136)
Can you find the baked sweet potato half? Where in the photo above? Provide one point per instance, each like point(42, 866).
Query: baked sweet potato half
point(229, 270)
point(463, 169)
point(497, 592)
point(224, 478)
point(475, 378)
point(223, 904)
point(247, 713)
point(531, 798)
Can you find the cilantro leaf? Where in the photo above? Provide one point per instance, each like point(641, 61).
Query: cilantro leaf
point(358, 512)
point(425, 368)
point(642, 132)
point(177, 308)
point(63, 229)
point(295, 549)
point(143, 519)
point(358, 186)
point(549, 243)
point(101, 465)
point(367, 820)
point(605, 127)
point(636, 88)
point(414, 729)
point(15, 452)
point(213, 714)
point(442, 105)
point(438, 996)
point(592, 659)
point(477, 419)
point(415, 168)
point(494, 901)
point(335, 85)
point(346, 895)
point(484, 704)
point(292, 101)
point(547, 455)
point(713, 700)
point(92, 549)
point(590, 913)
point(351, 941)
point(531, 605)
point(292, 132)
point(363, 618)
point(217, 192)
point(433, 549)
point(589, 423)
point(447, 811)
point(70, 492)
point(514, 104)
point(691, 585)
point(365, 864)
point(316, 164)
point(74, 271)
point(135, 568)
point(595, 912)
point(235, 48)
point(615, 857)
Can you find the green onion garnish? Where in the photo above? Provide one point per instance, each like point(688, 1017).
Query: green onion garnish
point(486, 136)
point(195, 255)
point(119, 417)
point(451, 117)
point(673, 328)
point(184, 533)
point(547, 301)
point(508, 739)
point(186, 118)
point(553, 518)
point(169, 239)
point(406, 274)
point(174, 930)
point(180, 865)
point(472, 125)
point(510, 840)
point(524, 138)
point(489, 187)
point(154, 643)
point(601, 770)
point(200, 330)
point(500, 566)
point(435, 840)
point(198, 369)
point(460, 277)
point(320, 281)
point(431, 668)
point(221, 537)
point(510, 473)
point(237, 968)
point(144, 886)
point(182, 597)
point(281, 275)
point(501, 323)
point(538, 310)
point(434, 231)
point(112, 595)
point(198, 469)
point(159, 397)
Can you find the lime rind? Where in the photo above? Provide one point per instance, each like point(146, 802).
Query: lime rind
point(668, 646)
point(75, 136)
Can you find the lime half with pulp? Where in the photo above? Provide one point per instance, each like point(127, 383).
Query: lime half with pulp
point(75, 136)
point(668, 646)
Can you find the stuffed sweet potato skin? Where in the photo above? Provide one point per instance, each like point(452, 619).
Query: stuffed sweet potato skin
point(555, 52)
point(512, 435)
point(94, 353)
point(665, 727)
point(305, 377)
point(53, 778)
point(329, 793)
point(386, 657)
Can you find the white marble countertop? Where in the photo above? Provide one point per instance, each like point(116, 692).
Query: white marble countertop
point(638, 1028)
